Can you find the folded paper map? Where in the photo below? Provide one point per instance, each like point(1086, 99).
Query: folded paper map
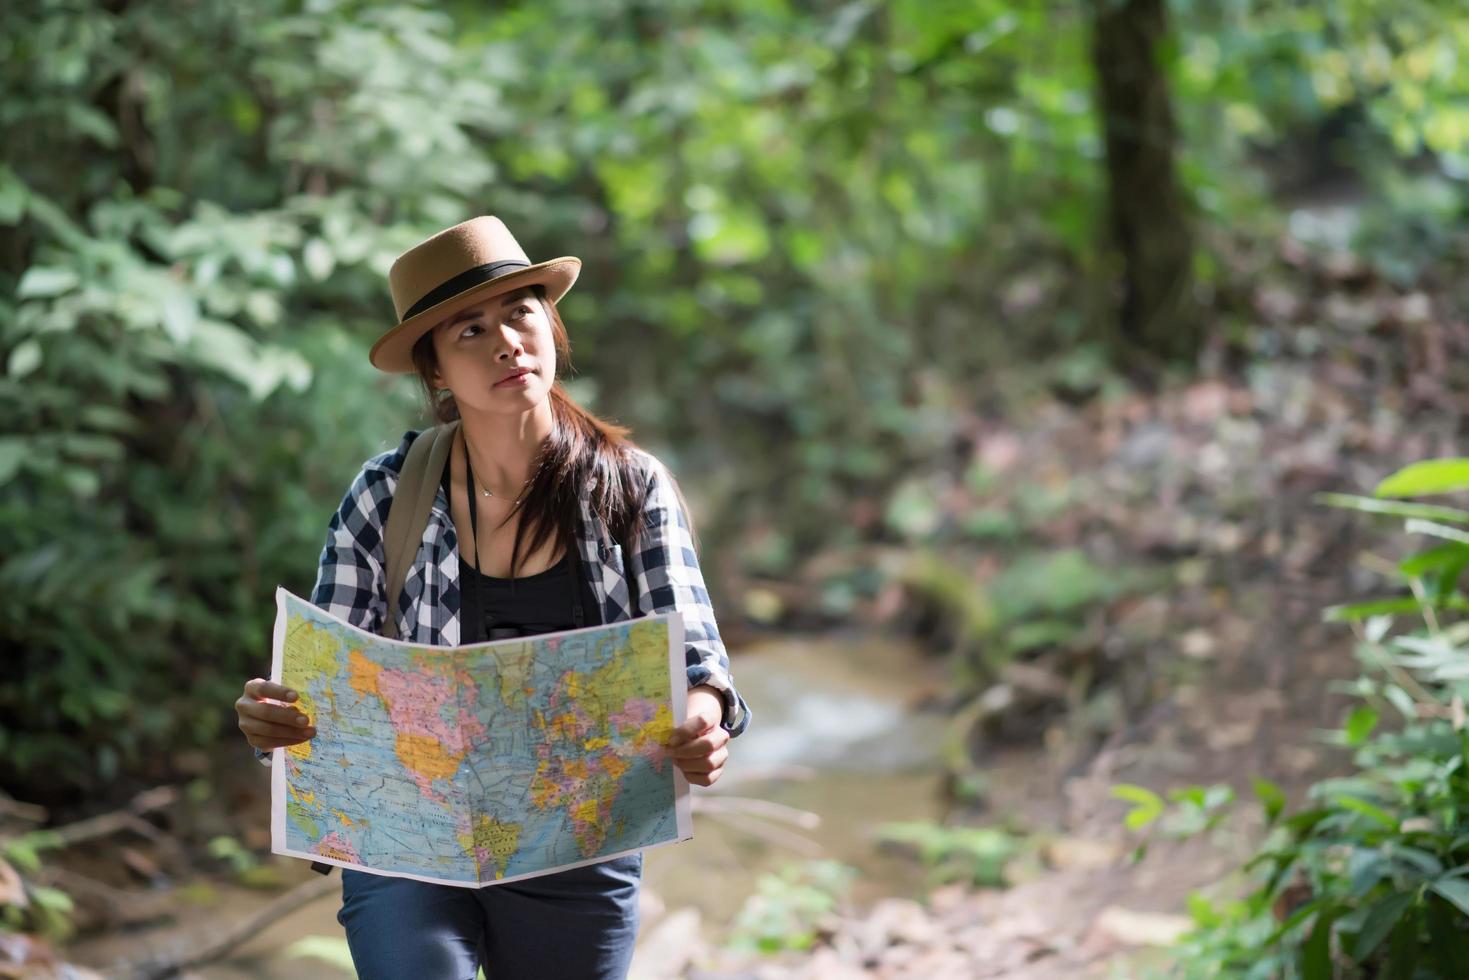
point(478, 764)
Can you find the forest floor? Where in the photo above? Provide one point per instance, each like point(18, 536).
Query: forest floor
point(1213, 666)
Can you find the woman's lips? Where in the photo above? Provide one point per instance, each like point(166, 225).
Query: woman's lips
point(515, 380)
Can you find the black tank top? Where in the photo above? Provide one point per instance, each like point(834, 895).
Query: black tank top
point(493, 608)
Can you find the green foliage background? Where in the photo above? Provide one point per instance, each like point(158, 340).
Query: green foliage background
point(809, 232)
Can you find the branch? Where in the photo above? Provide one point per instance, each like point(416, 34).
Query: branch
point(768, 809)
point(28, 812)
point(170, 965)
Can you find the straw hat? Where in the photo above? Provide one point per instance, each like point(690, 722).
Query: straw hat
point(458, 267)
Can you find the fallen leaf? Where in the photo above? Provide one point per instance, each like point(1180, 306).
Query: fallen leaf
point(12, 890)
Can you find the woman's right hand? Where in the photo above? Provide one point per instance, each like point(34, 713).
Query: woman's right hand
point(268, 725)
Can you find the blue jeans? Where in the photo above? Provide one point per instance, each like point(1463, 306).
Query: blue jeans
point(570, 925)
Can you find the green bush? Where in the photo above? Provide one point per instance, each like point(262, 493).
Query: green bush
point(1371, 879)
point(789, 909)
point(976, 856)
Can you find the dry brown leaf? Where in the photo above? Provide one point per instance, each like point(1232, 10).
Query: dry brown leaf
point(12, 889)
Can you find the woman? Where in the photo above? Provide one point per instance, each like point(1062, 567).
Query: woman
point(526, 536)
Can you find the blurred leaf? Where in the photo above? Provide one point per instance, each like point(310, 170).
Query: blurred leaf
point(1392, 508)
point(1381, 918)
point(913, 512)
point(1316, 954)
point(1416, 526)
point(1428, 477)
point(12, 197)
point(53, 899)
point(318, 259)
point(1147, 805)
point(12, 454)
point(1376, 813)
point(1271, 797)
point(1380, 607)
point(1447, 940)
point(1402, 954)
point(24, 359)
point(1456, 890)
point(1434, 559)
point(1360, 724)
point(39, 282)
point(1055, 582)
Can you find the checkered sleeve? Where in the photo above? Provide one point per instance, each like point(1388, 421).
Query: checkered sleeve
point(667, 571)
point(351, 575)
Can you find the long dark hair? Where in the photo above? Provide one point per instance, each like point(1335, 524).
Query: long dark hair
point(580, 445)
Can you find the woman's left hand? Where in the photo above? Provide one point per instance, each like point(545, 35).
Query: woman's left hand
point(697, 746)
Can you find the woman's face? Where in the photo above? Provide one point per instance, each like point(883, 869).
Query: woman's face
point(498, 355)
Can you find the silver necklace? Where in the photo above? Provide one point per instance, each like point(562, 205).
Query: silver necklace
point(485, 491)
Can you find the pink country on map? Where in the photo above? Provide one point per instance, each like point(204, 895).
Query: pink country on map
point(336, 845)
point(429, 746)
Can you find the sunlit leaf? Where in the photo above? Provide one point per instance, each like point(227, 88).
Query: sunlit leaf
point(1428, 477)
point(1147, 805)
point(1456, 890)
point(1372, 811)
point(24, 359)
point(1360, 724)
point(39, 282)
point(12, 197)
point(1393, 508)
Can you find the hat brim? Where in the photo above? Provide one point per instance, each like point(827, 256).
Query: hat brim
point(393, 351)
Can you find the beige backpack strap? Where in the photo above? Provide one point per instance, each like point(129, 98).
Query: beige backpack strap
point(418, 483)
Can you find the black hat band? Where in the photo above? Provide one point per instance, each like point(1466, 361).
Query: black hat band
point(465, 280)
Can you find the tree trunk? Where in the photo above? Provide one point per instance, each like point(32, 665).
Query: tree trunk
point(1148, 219)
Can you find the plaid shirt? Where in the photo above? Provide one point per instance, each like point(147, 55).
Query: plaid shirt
point(350, 580)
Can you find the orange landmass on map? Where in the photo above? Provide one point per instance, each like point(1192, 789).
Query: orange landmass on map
point(426, 756)
point(363, 673)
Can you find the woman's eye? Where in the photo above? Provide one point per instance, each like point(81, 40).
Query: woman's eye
point(521, 312)
point(470, 330)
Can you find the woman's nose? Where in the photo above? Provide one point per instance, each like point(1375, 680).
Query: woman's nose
point(510, 345)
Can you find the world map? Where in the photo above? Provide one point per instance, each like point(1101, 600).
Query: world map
point(477, 764)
